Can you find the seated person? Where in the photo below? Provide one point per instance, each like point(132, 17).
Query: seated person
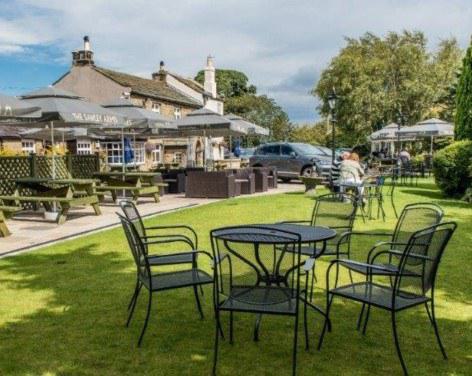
point(351, 172)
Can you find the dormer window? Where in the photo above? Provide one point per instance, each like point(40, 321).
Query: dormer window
point(156, 107)
point(177, 113)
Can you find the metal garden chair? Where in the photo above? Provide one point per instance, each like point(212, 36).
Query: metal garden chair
point(412, 275)
point(191, 277)
point(258, 273)
point(414, 217)
point(336, 211)
point(160, 236)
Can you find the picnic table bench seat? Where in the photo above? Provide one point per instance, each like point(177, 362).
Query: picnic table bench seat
point(5, 212)
point(136, 191)
point(65, 203)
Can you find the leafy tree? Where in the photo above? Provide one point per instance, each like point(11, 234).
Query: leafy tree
point(241, 99)
point(446, 64)
point(463, 128)
point(377, 79)
point(263, 111)
point(230, 83)
point(316, 134)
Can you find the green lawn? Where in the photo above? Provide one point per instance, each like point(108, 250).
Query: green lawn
point(63, 309)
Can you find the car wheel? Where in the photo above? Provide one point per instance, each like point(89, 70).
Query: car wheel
point(309, 172)
point(286, 180)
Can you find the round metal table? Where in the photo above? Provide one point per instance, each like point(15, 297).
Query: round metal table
point(275, 233)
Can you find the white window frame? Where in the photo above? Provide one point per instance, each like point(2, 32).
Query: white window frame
point(28, 146)
point(156, 155)
point(177, 157)
point(114, 155)
point(84, 147)
point(156, 107)
point(177, 112)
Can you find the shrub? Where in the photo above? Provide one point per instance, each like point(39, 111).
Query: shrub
point(451, 168)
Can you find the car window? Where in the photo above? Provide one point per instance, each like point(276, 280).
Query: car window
point(270, 150)
point(286, 150)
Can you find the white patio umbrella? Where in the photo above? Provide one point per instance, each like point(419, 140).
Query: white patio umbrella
point(428, 128)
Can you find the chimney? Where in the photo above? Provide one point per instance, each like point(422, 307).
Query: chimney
point(84, 56)
point(210, 81)
point(161, 73)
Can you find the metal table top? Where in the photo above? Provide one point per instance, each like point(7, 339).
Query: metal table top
point(277, 233)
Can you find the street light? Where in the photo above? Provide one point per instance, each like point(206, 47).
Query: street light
point(332, 98)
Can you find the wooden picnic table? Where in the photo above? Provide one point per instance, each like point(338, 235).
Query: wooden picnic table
point(66, 193)
point(140, 184)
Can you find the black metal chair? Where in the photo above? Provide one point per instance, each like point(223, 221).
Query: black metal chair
point(258, 274)
point(188, 238)
point(414, 217)
point(336, 211)
point(191, 277)
point(412, 273)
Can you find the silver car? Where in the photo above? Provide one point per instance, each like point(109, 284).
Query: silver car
point(293, 159)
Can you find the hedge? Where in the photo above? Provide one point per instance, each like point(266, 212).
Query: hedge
point(451, 168)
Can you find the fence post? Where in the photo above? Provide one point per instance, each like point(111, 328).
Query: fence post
point(33, 165)
point(97, 162)
point(69, 164)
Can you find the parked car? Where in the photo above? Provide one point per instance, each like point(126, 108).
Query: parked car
point(293, 159)
point(246, 153)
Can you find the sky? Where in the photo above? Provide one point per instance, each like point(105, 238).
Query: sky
point(282, 46)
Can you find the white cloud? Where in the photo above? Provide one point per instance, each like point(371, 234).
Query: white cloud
point(270, 40)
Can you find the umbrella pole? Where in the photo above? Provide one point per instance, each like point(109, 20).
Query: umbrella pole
point(134, 146)
point(53, 161)
point(431, 146)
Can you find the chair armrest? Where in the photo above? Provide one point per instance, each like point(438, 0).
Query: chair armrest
point(170, 240)
point(375, 249)
point(176, 227)
point(346, 235)
point(345, 262)
point(414, 255)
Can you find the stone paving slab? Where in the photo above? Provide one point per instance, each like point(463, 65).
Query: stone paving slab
point(30, 230)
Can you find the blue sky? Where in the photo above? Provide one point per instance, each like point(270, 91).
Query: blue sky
point(281, 45)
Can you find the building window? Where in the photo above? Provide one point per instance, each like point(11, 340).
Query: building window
point(177, 113)
point(156, 155)
point(177, 158)
point(156, 107)
point(84, 147)
point(114, 154)
point(28, 146)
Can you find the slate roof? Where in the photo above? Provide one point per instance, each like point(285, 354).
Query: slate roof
point(148, 87)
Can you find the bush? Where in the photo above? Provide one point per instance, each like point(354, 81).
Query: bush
point(451, 168)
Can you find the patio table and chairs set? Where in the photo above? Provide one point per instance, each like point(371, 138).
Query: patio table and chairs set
point(269, 268)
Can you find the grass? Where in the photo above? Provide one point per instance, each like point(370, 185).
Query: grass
point(63, 308)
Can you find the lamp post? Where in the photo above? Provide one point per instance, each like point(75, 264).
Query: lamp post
point(401, 123)
point(332, 98)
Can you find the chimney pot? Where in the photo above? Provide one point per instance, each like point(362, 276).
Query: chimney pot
point(161, 64)
point(86, 43)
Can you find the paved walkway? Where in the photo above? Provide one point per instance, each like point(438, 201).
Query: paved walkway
point(30, 230)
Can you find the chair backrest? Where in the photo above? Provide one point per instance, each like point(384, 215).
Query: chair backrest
point(136, 247)
point(132, 214)
point(252, 258)
point(413, 218)
point(336, 211)
point(419, 264)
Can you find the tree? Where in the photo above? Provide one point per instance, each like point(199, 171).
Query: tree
point(316, 134)
point(447, 61)
point(229, 83)
point(263, 111)
point(463, 123)
point(241, 99)
point(379, 79)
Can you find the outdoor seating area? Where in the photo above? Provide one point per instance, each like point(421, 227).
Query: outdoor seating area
point(277, 273)
point(235, 189)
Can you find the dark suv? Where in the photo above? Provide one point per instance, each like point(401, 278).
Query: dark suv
point(293, 159)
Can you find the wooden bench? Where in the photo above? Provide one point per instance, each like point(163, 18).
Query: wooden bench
point(65, 203)
point(5, 212)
